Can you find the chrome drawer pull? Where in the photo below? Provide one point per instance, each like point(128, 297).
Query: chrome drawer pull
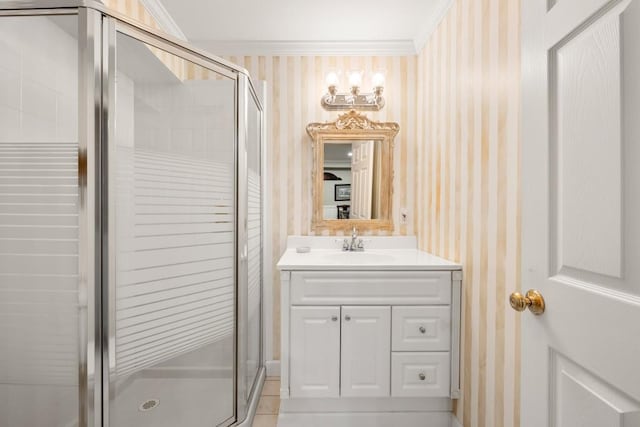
point(422, 376)
point(422, 329)
point(334, 318)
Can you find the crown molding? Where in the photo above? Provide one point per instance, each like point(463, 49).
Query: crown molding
point(303, 48)
point(423, 36)
point(162, 17)
point(312, 48)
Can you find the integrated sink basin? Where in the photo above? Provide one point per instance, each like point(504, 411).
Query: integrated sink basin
point(359, 258)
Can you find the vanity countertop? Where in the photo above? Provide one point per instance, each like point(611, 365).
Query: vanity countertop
point(381, 253)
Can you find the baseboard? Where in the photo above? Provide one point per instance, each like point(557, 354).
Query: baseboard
point(273, 368)
point(378, 419)
point(366, 405)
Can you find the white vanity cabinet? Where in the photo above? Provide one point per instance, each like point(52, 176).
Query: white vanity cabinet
point(370, 338)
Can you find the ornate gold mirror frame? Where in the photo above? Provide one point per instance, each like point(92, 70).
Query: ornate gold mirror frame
point(349, 127)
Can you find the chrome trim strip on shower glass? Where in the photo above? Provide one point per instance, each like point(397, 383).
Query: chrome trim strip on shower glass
point(242, 310)
point(108, 278)
point(37, 12)
point(90, 215)
point(47, 4)
point(261, 153)
point(254, 184)
point(254, 95)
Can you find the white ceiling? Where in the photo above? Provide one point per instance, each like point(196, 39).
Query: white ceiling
point(337, 152)
point(391, 24)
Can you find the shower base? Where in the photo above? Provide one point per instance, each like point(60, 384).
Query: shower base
point(185, 402)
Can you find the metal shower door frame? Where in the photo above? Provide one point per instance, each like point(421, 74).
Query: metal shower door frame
point(246, 94)
point(112, 26)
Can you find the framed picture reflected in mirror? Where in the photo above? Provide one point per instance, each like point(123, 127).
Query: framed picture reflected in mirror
point(342, 192)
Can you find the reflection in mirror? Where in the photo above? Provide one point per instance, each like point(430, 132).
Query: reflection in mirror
point(352, 179)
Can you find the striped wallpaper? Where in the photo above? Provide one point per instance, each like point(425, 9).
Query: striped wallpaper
point(468, 179)
point(457, 153)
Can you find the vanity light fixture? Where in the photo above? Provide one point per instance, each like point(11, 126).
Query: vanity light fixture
point(353, 100)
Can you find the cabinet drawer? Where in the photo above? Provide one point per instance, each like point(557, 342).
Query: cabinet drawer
point(420, 374)
point(425, 328)
point(370, 287)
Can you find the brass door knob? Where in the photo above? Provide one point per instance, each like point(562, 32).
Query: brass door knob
point(532, 300)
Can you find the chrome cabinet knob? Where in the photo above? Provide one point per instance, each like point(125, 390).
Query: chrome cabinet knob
point(347, 317)
point(422, 376)
point(334, 318)
point(422, 329)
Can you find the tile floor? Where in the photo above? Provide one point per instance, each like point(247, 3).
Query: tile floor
point(269, 405)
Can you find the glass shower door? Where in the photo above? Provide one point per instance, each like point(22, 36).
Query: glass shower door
point(172, 209)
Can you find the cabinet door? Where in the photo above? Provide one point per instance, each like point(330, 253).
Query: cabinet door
point(315, 352)
point(366, 351)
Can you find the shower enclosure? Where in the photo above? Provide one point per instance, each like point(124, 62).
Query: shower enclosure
point(130, 225)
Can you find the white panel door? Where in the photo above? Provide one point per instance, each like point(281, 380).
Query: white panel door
point(366, 351)
point(315, 352)
point(581, 212)
point(362, 179)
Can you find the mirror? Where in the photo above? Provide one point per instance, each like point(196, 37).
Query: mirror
point(352, 173)
point(352, 180)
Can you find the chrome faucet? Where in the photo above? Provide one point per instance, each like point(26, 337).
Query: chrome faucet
point(355, 244)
